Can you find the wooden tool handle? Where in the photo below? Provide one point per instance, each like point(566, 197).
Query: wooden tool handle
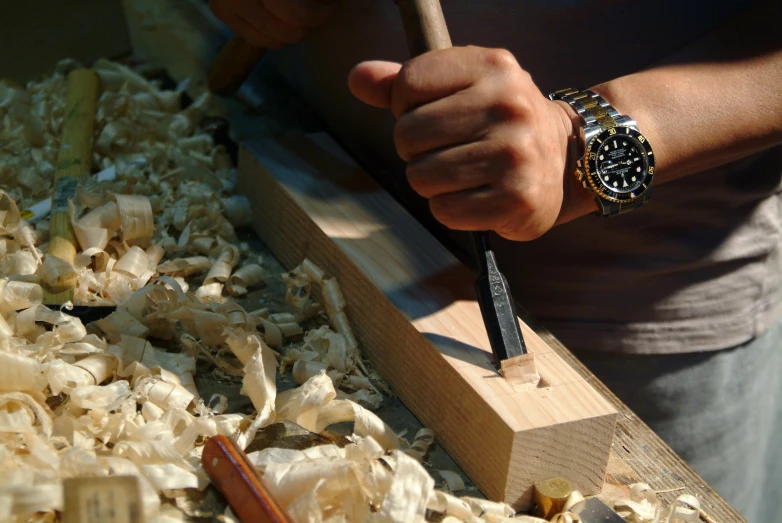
point(73, 161)
point(233, 475)
point(233, 65)
point(424, 26)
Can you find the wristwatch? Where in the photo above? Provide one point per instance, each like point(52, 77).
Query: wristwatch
point(618, 162)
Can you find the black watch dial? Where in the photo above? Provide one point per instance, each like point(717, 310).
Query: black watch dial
point(621, 164)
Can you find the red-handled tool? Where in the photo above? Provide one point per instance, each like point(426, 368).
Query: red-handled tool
point(241, 484)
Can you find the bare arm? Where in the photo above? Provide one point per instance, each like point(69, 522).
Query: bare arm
point(489, 151)
point(716, 101)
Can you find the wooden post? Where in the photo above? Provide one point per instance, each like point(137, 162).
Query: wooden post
point(412, 307)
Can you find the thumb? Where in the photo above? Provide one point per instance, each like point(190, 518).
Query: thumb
point(371, 82)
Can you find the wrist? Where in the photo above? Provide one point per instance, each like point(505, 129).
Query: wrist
point(577, 201)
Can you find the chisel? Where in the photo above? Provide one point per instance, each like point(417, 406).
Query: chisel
point(73, 161)
point(426, 31)
point(236, 478)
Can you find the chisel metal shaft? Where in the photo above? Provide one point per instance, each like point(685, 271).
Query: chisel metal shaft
point(426, 31)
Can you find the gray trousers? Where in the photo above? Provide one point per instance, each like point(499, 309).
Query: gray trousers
point(720, 411)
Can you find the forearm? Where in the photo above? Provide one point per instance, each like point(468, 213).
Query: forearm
point(715, 102)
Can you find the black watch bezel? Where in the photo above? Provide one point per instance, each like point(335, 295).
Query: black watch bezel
point(591, 171)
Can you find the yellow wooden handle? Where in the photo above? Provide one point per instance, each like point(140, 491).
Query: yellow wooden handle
point(233, 65)
point(73, 161)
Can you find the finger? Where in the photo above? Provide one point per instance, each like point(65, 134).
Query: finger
point(371, 82)
point(435, 75)
point(301, 13)
point(480, 209)
point(458, 169)
point(251, 34)
point(257, 14)
point(221, 9)
point(457, 119)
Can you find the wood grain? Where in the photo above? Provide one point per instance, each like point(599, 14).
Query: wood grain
point(424, 25)
point(115, 499)
point(191, 31)
point(639, 455)
point(233, 65)
point(73, 161)
point(413, 309)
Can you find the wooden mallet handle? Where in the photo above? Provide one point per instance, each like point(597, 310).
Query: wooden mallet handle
point(73, 161)
point(233, 65)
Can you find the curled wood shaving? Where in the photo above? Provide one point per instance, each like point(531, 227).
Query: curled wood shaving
point(566, 517)
point(423, 440)
point(684, 508)
point(452, 480)
point(102, 399)
point(244, 278)
point(642, 506)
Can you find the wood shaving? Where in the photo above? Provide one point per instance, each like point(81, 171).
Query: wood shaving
point(424, 439)
point(119, 396)
point(642, 506)
point(453, 481)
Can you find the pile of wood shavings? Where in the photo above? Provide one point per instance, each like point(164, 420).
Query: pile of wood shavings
point(156, 237)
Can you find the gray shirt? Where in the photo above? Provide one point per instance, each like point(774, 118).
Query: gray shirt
point(698, 268)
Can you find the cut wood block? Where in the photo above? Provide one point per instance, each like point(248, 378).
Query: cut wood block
point(412, 307)
point(114, 499)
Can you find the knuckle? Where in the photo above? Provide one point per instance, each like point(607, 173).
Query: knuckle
point(511, 107)
point(412, 78)
point(403, 138)
point(523, 199)
point(418, 180)
point(442, 210)
point(500, 59)
point(511, 156)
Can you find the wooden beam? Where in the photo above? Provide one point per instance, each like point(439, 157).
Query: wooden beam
point(412, 307)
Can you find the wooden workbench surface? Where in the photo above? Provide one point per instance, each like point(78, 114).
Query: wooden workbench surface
point(182, 37)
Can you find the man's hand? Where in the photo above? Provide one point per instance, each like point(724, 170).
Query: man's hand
point(272, 23)
point(487, 149)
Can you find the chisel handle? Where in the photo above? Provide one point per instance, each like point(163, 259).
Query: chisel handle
point(73, 161)
point(241, 484)
point(424, 26)
point(233, 65)
point(425, 29)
